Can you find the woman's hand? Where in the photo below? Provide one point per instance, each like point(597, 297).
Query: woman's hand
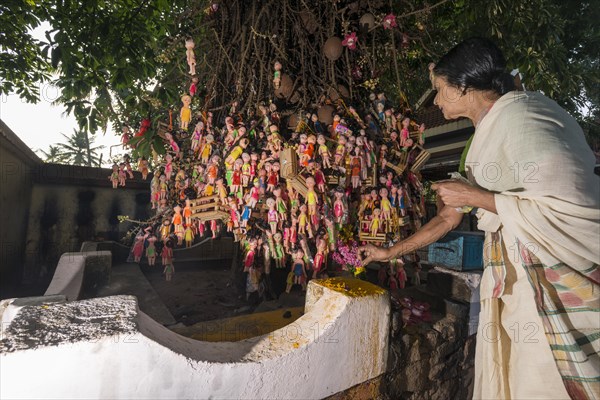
point(455, 193)
point(370, 253)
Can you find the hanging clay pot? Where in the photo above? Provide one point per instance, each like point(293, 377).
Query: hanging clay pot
point(325, 114)
point(333, 48)
point(367, 20)
point(285, 87)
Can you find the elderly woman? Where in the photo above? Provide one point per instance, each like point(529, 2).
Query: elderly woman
point(531, 180)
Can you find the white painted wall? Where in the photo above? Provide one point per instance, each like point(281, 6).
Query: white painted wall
point(339, 342)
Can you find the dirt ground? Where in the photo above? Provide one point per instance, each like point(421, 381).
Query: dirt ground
point(198, 291)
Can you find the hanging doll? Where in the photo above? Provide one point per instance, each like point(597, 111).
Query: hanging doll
point(277, 74)
point(375, 222)
point(206, 149)
point(339, 207)
point(188, 235)
point(250, 255)
point(236, 177)
point(324, 151)
point(197, 136)
point(320, 178)
point(185, 115)
point(234, 215)
point(272, 215)
point(340, 151)
point(128, 168)
point(320, 256)
point(385, 204)
point(298, 271)
point(277, 249)
point(177, 222)
point(280, 205)
point(114, 176)
point(221, 190)
point(273, 176)
point(155, 191)
point(138, 248)
point(122, 174)
point(125, 137)
point(191, 57)
point(247, 211)
point(168, 166)
point(356, 167)
point(246, 176)
point(312, 200)
point(194, 86)
point(253, 165)
point(187, 212)
point(151, 250)
point(143, 167)
point(404, 133)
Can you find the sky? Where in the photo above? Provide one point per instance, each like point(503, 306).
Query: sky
point(40, 125)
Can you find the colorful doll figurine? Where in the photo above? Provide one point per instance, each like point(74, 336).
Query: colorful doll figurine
point(375, 222)
point(172, 143)
point(339, 208)
point(114, 176)
point(138, 248)
point(122, 174)
point(168, 166)
point(356, 165)
point(236, 177)
point(126, 136)
point(320, 178)
point(302, 145)
point(155, 191)
point(151, 250)
point(293, 237)
point(163, 187)
point(128, 169)
point(177, 222)
point(188, 236)
point(421, 134)
point(187, 212)
point(197, 136)
point(276, 248)
point(165, 229)
point(221, 190)
point(319, 262)
point(298, 272)
point(273, 177)
point(185, 115)
point(190, 56)
point(250, 255)
point(143, 167)
point(234, 214)
point(169, 271)
point(246, 176)
point(324, 152)
point(194, 86)
point(272, 215)
point(206, 149)
point(277, 74)
point(390, 121)
point(246, 212)
point(303, 224)
point(254, 193)
point(253, 165)
point(404, 133)
point(280, 205)
point(340, 151)
point(402, 200)
point(386, 208)
point(212, 170)
point(312, 200)
point(318, 127)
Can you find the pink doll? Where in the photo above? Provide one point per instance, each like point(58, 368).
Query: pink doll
point(128, 168)
point(138, 248)
point(277, 75)
point(214, 228)
point(253, 165)
point(254, 194)
point(385, 204)
point(293, 237)
point(126, 136)
point(339, 208)
point(173, 143)
point(234, 215)
point(168, 166)
point(302, 145)
point(272, 215)
point(114, 176)
point(151, 250)
point(197, 136)
point(250, 255)
point(320, 178)
point(191, 57)
point(319, 261)
point(404, 133)
point(324, 151)
point(185, 115)
point(188, 236)
point(246, 176)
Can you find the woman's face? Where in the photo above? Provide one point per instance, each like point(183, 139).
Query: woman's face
point(450, 99)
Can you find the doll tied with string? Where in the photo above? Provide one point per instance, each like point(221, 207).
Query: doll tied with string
point(190, 56)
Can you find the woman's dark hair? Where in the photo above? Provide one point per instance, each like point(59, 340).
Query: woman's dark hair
point(476, 63)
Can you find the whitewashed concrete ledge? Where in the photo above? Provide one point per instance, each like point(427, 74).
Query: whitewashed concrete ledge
point(105, 348)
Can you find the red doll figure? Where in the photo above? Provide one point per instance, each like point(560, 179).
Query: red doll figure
point(236, 177)
point(167, 253)
point(234, 213)
point(254, 194)
point(272, 215)
point(168, 166)
point(172, 143)
point(272, 177)
point(294, 229)
point(214, 228)
point(404, 133)
point(250, 254)
point(138, 248)
point(356, 167)
point(253, 165)
point(206, 149)
point(339, 208)
point(319, 262)
point(126, 136)
point(320, 178)
point(194, 86)
point(114, 176)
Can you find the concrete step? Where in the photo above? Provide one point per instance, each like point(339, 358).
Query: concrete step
point(129, 279)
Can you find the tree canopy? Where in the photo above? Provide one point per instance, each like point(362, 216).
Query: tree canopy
point(120, 61)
